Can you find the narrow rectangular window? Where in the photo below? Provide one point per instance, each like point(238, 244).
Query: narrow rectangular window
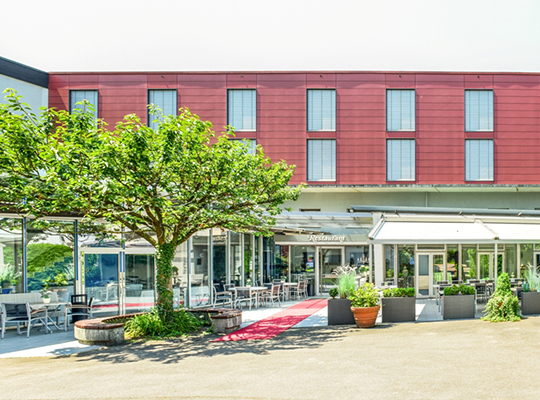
point(164, 100)
point(478, 110)
point(321, 160)
point(242, 109)
point(400, 110)
point(321, 110)
point(400, 160)
point(479, 160)
point(76, 96)
point(252, 145)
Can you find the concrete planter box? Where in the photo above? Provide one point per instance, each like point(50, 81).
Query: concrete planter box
point(530, 303)
point(398, 309)
point(339, 312)
point(459, 306)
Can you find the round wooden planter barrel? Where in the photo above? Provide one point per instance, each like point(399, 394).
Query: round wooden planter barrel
point(365, 317)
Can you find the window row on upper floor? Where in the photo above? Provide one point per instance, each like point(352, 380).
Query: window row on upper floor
point(320, 107)
point(400, 160)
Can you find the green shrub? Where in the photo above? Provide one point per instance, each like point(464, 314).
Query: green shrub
point(399, 292)
point(149, 325)
point(365, 296)
point(333, 292)
point(461, 289)
point(346, 280)
point(503, 304)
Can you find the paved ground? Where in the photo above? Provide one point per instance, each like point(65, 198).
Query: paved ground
point(468, 359)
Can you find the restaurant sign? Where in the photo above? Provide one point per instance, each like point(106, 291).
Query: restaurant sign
point(326, 238)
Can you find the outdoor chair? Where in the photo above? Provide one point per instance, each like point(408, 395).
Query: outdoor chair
point(79, 306)
point(271, 295)
point(481, 291)
point(299, 290)
point(244, 295)
point(222, 298)
point(21, 313)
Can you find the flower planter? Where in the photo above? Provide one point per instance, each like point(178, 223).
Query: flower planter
point(398, 309)
point(459, 306)
point(530, 303)
point(339, 312)
point(365, 317)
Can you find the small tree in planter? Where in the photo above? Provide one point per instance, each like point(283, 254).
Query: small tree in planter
point(503, 305)
point(459, 302)
point(365, 305)
point(339, 310)
point(530, 298)
point(398, 305)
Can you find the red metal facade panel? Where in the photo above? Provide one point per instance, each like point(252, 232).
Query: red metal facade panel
point(360, 117)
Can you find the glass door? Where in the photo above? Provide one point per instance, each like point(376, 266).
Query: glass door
point(329, 259)
point(100, 274)
point(430, 271)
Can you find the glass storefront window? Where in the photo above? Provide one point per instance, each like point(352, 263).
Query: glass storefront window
point(275, 260)
point(200, 269)
point(249, 278)
point(389, 263)
point(101, 282)
point(452, 262)
point(511, 260)
point(257, 263)
point(140, 278)
point(11, 265)
point(180, 272)
point(527, 254)
point(406, 266)
point(303, 263)
point(219, 238)
point(358, 256)
point(468, 263)
point(236, 259)
point(50, 257)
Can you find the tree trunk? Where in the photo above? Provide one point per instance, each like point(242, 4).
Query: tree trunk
point(164, 302)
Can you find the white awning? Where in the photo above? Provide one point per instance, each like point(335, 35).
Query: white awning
point(516, 233)
point(391, 232)
point(438, 232)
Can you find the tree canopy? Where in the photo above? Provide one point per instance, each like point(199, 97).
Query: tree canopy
point(163, 184)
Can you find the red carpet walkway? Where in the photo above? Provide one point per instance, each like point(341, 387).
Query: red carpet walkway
point(277, 323)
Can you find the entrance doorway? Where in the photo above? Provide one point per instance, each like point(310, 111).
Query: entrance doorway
point(431, 267)
point(329, 259)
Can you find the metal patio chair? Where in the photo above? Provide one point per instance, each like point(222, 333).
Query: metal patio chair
point(21, 313)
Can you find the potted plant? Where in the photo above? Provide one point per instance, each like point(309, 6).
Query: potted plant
point(365, 305)
point(459, 302)
point(45, 295)
point(8, 278)
point(398, 305)
point(530, 297)
point(339, 309)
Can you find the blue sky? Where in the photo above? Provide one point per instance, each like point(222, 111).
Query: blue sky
point(260, 35)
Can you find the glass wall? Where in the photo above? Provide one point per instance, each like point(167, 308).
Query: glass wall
point(11, 260)
point(219, 238)
point(510, 255)
point(236, 259)
point(358, 256)
point(140, 278)
point(100, 274)
point(303, 263)
point(275, 260)
point(527, 254)
point(50, 257)
point(200, 269)
point(257, 264)
point(249, 277)
point(180, 273)
point(468, 263)
point(452, 262)
point(389, 263)
point(406, 266)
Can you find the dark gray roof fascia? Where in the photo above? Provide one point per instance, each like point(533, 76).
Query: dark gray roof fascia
point(24, 73)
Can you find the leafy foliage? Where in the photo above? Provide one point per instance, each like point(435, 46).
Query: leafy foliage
point(503, 304)
point(162, 184)
point(346, 280)
point(365, 296)
point(333, 292)
point(8, 274)
point(532, 277)
point(461, 289)
point(399, 292)
point(151, 325)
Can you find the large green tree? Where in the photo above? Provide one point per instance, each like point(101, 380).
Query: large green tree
point(163, 184)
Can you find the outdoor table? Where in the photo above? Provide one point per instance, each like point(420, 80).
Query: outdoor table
point(255, 289)
point(52, 306)
point(286, 286)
